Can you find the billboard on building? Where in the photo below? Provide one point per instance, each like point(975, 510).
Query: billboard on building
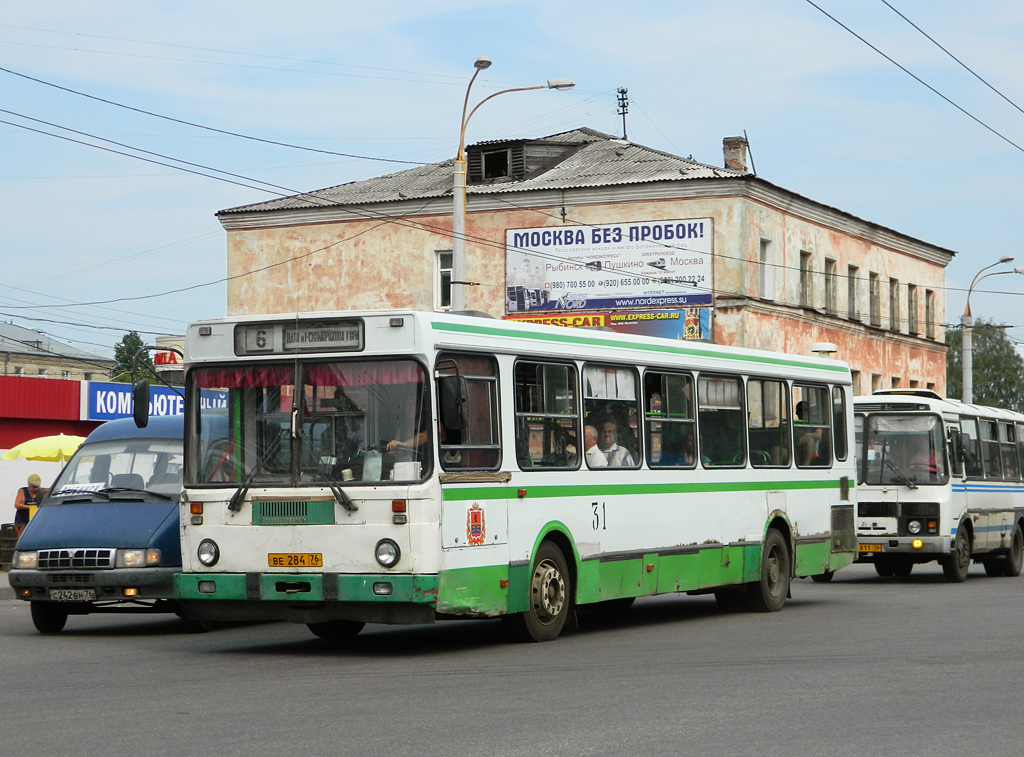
point(690, 323)
point(641, 264)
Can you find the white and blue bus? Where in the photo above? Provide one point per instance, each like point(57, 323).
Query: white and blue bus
point(401, 467)
point(938, 480)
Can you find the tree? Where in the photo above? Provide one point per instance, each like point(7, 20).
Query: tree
point(998, 367)
point(124, 353)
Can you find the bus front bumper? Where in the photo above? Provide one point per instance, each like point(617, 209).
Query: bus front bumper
point(308, 597)
point(929, 547)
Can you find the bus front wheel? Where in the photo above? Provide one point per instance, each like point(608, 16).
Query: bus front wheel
point(550, 599)
point(770, 593)
point(955, 566)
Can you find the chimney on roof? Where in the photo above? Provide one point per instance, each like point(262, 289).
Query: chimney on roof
point(735, 149)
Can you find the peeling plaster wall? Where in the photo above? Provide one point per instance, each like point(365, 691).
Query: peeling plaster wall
point(368, 264)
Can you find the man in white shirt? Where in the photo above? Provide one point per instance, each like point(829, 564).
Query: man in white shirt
point(607, 453)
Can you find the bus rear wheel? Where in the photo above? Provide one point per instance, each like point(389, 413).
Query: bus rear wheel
point(336, 629)
point(1015, 554)
point(770, 593)
point(955, 565)
point(48, 617)
point(550, 599)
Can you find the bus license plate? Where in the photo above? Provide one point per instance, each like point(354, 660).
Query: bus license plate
point(295, 560)
point(72, 595)
point(869, 547)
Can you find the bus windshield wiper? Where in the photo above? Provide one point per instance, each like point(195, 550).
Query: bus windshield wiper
point(339, 494)
point(903, 477)
point(235, 503)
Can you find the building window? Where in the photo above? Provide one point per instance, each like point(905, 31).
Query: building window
point(874, 297)
point(766, 271)
point(929, 313)
point(852, 293)
point(806, 285)
point(914, 383)
point(496, 164)
point(42, 373)
point(912, 307)
point(443, 280)
point(65, 374)
point(19, 370)
point(856, 382)
point(876, 382)
point(894, 305)
point(896, 382)
point(831, 282)
point(87, 377)
point(930, 386)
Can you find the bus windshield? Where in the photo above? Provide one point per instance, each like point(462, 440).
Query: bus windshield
point(903, 449)
point(311, 423)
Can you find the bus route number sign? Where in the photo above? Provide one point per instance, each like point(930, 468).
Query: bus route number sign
point(295, 560)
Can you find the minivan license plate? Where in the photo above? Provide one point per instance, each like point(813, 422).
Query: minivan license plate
point(72, 595)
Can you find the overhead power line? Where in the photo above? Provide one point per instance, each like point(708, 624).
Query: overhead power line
point(208, 128)
point(918, 79)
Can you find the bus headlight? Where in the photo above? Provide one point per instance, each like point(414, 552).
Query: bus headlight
point(387, 553)
point(26, 560)
point(914, 527)
point(208, 552)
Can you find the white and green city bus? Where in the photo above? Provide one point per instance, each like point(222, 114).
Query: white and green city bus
point(403, 467)
point(938, 480)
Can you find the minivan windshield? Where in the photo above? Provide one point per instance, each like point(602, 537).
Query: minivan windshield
point(108, 469)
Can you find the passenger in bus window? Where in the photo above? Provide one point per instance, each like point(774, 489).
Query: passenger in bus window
point(677, 445)
point(607, 452)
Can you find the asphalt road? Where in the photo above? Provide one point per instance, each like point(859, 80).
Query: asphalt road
point(860, 666)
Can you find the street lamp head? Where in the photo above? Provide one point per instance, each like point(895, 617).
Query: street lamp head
point(483, 62)
point(562, 85)
point(1006, 259)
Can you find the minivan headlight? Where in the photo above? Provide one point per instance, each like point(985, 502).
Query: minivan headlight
point(137, 558)
point(26, 560)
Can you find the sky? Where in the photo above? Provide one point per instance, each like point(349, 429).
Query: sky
point(108, 192)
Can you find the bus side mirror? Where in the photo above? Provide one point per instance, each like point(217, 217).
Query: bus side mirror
point(140, 403)
point(454, 402)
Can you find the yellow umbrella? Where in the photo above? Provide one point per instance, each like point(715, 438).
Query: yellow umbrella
point(54, 449)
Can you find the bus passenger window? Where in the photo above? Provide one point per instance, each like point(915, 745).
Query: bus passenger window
point(547, 426)
point(671, 426)
point(971, 447)
point(768, 423)
point(990, 449)
point(477, 445)
point(720, 421)
point(812, 429)
point(610, 409)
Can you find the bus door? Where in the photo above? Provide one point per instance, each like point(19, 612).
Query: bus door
point(474, 508)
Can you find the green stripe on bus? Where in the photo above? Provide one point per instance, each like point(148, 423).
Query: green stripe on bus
point(455, 493)
point(670, 348)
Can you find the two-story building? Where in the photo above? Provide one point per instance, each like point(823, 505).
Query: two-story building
point(584, 222)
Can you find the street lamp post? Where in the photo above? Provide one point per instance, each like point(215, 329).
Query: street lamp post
point(967, 321)
point(459, 192)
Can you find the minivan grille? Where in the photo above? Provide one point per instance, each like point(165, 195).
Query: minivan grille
point(58, 559)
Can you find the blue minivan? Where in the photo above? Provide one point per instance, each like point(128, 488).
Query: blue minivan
point(105, 538)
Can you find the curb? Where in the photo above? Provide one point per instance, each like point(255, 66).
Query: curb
point(6, 592)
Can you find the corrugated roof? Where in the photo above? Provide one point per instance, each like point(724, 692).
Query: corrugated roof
point(599, 160)
point(22, 341)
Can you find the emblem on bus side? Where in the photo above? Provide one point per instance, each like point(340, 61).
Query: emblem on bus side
point(475, 528)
